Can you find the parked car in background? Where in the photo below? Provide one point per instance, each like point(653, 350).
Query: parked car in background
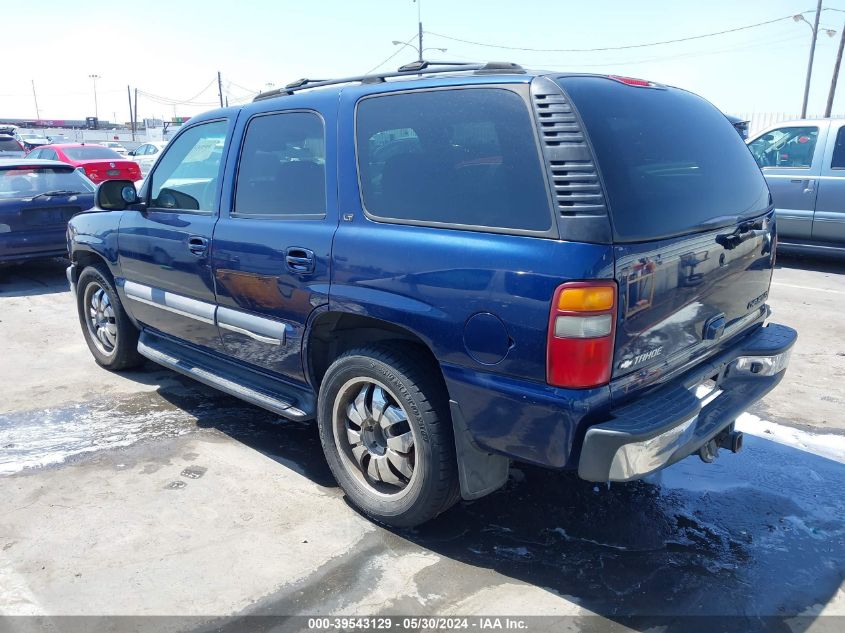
point(804, 164)
point(474, 295)
point(740, 125)
point(120, 149)
point(99, 163)
point(30, 140)
point(147, 154)
point(37, 198)
point(10, 147)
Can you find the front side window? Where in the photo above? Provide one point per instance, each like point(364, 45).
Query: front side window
point(282, 169)
point(786, 147)
point(465, 157)
point(187, 176)
point(838, 159)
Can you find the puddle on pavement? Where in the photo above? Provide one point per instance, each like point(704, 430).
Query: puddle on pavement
point(49, 437)
point(759, 533)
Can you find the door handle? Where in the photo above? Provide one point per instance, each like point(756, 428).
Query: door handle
point(809, 183)
point(197, 245)
point(300, 260)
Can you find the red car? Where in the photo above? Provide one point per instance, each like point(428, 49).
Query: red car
point(98, 162)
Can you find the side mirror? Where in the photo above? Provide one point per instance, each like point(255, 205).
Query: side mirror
point(130, 153)
point(116, 195)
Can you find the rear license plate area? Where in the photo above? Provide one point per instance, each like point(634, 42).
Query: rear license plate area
point(113, 172)
point(49, 216)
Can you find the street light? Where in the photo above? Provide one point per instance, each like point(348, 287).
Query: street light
point(94, 78)
point(815, 29)
point(427, 48)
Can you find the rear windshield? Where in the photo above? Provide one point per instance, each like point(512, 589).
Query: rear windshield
point(90, 153)
point(671, 162)
point(25, 182)
point(9, 145)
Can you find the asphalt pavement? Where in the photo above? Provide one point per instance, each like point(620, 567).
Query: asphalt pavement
point(146, 494)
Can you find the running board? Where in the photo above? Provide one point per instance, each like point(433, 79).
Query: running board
point(207, 369)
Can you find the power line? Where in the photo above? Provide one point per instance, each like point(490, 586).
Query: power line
point(401, 48)
point(689, 55)
point(611, 48)
point(250, 90)
point(169, 101)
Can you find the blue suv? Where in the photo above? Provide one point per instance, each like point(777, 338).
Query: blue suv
point(450, 267)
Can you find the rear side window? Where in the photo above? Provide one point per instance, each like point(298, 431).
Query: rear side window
point(464, 157)
point(282, 170)
point(671, 162)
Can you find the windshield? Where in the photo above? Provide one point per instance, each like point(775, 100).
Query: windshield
point(25, 182)
point(90, 153)
point(9, 145)
point(670, 161)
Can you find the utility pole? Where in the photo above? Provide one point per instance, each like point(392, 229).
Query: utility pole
point(220, 85)
point(835, 76)
point(810, 62)
point(131, 116)
point(35, 97)
point(95, 77)
point(136, 108)
point(420, 29)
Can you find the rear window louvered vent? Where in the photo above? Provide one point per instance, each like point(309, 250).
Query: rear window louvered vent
point(569, 161)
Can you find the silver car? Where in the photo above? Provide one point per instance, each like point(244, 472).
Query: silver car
point(804, 164)
point(147, 154)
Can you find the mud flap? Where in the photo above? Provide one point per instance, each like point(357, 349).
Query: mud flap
point(479, 472)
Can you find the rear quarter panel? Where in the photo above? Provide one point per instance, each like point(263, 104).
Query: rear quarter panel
point(436, 281)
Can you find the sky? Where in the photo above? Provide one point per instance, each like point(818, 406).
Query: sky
point(172, 50)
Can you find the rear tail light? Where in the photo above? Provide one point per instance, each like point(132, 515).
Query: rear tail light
point(582, 323)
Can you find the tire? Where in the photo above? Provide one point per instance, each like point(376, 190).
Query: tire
point(387, 435)
point(116, 345)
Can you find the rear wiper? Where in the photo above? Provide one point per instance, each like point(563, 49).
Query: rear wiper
point(745, 231)
point(57, 192)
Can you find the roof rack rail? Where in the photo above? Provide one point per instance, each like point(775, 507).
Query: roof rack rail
point(417, 67)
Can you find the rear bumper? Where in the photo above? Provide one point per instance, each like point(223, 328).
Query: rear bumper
point(670, 423)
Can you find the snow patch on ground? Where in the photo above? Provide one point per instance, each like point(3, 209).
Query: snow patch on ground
point(823, 444)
